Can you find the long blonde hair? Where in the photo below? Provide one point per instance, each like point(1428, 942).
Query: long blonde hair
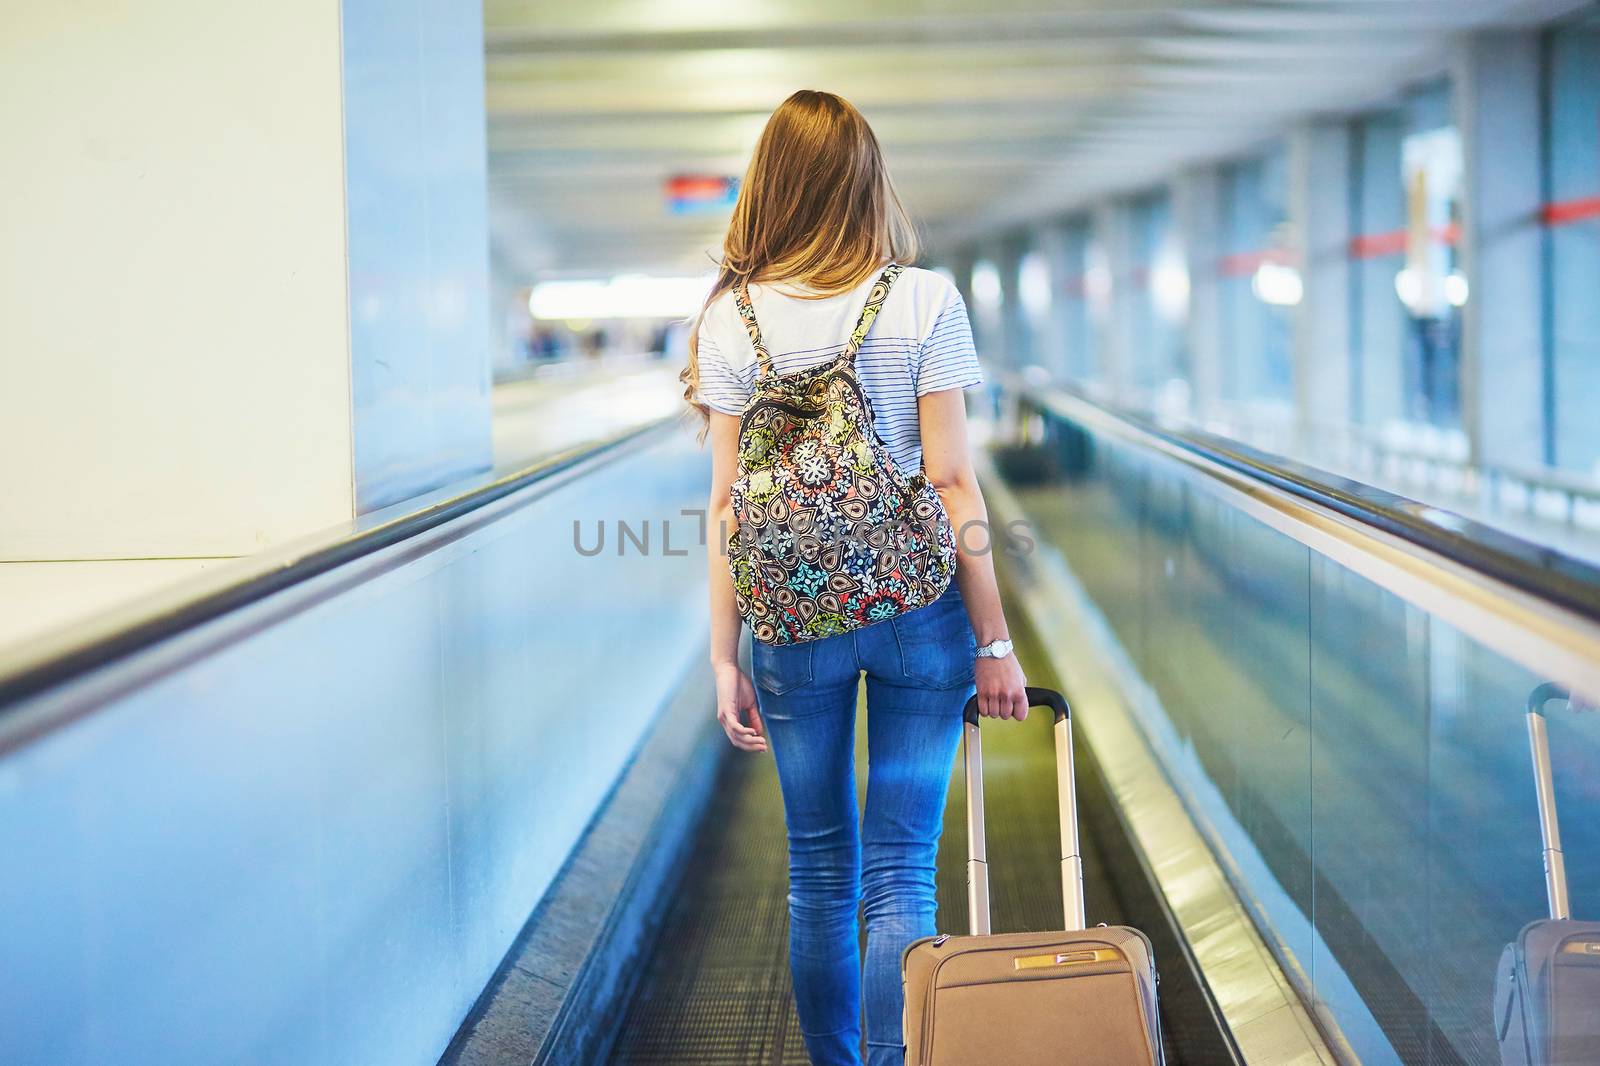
point(816, 209)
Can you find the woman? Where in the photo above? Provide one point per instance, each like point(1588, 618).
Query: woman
point(816, 224)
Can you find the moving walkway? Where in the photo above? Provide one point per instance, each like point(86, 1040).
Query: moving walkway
point(364, 799)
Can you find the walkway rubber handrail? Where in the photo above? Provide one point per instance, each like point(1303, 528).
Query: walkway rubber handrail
point(1544, 573)
point(55, 661)
point(1533, 606)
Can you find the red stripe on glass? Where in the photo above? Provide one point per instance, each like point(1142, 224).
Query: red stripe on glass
point(1564, 211)
point(1243, 264)
point(1374, 245)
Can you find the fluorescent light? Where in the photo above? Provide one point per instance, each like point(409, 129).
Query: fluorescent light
point(1277, 284)
point(1408, 286)
point(986, 290)
point(624, 296)
point(1169, 285)
point(1033, 284)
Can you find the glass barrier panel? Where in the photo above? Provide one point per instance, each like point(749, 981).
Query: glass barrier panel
point(1362, 767)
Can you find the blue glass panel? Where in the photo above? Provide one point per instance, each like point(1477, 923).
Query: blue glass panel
point(1574, 175)
point(1362, 764)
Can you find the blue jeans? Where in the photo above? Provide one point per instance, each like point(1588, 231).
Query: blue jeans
point(919, 675)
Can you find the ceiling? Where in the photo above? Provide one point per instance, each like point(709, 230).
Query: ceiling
point(989, 112)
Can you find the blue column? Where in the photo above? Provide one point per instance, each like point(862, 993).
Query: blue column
point(1015, 330)
point(1319, 214)
point(1051, 329)
point(1503, 398)
point(1118, 333)
point(1196, 202)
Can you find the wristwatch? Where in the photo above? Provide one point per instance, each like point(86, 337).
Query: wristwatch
point(998, 650)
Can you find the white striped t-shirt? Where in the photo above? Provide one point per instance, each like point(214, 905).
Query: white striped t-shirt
point(921, 342)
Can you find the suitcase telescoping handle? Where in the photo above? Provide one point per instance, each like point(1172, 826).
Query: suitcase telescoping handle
point(1555, 864)
point(1066, 795)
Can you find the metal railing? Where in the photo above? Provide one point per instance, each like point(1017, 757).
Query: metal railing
point(36, 666)
point(1534, 604)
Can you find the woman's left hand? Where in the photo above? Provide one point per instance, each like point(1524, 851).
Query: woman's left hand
point(736, 708)
point(1002, 689)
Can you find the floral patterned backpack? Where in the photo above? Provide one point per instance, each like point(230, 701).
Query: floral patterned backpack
point(831, 537)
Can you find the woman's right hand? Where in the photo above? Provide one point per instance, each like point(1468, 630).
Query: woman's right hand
point(1002, 688)
point(736, 709)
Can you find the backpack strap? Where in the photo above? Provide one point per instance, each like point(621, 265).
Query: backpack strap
point(875, 298)
point(741, 300)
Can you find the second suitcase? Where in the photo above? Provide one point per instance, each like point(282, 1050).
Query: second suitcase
point(1547, 989)
point(1070, 997)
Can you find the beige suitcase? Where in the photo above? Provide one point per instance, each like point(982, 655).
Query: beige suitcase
point(1064, 998)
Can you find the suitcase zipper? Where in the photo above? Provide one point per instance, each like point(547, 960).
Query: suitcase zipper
point(933, 984)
